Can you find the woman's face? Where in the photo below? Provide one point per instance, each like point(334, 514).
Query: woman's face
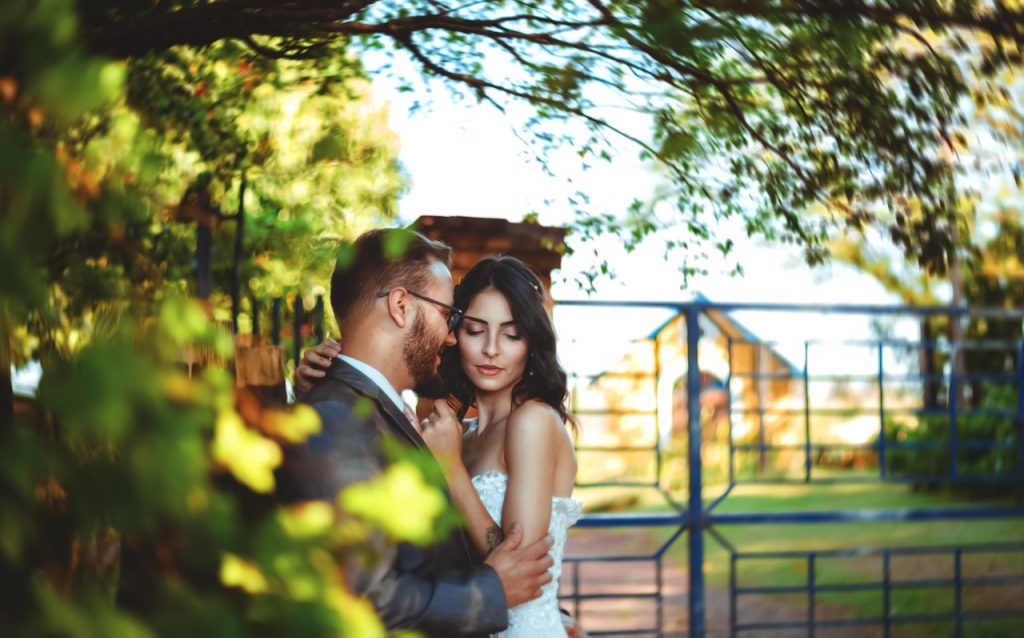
point(492, 350)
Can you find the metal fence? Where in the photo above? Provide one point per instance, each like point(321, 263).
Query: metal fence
point(306, 326)
point(954, 454)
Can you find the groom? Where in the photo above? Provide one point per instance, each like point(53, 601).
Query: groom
point(395, 313)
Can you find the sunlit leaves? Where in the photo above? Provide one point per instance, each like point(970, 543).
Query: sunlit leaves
point(44, 57)
point(295, 425)
point(360, 618)
point(236, 571)
point(398, 502)
point(80, 619)
point(97, 394)
point(320, 157)
point(307, 520)
point(841, 104)
point(250, 456)
point(137, 460)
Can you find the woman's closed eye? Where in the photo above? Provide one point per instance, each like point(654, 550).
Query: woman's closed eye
point(514, 336)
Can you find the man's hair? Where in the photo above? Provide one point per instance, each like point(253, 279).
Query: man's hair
point(379, 260)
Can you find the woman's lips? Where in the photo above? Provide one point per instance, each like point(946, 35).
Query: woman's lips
point(489, 371)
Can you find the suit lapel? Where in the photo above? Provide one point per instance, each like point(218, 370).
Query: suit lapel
point(343, 372)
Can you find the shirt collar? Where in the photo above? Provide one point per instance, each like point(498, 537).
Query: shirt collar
point(378, 379)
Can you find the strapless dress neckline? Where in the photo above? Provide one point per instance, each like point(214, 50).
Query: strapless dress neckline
point(539, 618)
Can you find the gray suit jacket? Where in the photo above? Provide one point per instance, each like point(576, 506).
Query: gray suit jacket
point(440, 589)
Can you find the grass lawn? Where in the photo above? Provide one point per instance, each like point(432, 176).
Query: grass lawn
point(864, 568)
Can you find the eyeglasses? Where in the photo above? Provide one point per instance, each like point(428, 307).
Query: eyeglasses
point(454, 314)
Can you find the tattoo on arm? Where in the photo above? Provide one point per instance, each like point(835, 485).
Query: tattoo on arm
point(494, 537)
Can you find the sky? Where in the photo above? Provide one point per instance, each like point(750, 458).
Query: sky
point(465, 159)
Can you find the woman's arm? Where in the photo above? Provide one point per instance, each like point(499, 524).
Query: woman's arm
point(531, 450)
point(443, 435)
point(314, 365)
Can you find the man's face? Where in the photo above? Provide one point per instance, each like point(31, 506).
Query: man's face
point(428, 336)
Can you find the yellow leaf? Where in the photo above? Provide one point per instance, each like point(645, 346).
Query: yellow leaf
point(357, 615)
point(399, 502)
point(250, 457)
point(295, 425)
point(307, 519)
point(236, 571)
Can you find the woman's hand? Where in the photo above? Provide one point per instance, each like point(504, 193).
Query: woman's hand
point(314, 364)
point(443, 433)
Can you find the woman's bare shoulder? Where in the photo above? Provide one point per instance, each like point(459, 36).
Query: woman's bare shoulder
point(534, 418)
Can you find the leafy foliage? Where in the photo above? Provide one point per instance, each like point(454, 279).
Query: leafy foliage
point(989, 251)
point(133, 487)
point(987, 444)
point(800, 118)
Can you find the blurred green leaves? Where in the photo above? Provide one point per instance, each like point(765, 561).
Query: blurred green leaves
point(134, 493)
point(399, 502)
point(247, 454)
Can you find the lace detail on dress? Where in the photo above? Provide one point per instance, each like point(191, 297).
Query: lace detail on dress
point(538, 618)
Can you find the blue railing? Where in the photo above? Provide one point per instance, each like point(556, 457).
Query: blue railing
point(307, 326)
point(303, 321)
point(695, 514)
point(886, 585)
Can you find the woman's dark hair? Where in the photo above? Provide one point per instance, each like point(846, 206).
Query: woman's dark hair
point(543, 379)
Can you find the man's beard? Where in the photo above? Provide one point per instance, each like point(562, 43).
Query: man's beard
point(420, 356)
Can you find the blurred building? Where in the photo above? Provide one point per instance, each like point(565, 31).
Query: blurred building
point(472, 238)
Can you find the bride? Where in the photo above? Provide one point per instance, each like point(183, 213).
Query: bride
point(515, 460)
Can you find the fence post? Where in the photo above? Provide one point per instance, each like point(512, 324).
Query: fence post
point(297, 330)
point(275, 321)
point(953, 398)
point(734, 613)
point(881, 412)
point(1020, 408)
point(812, 585)
point(696, 505)
point(728, 415)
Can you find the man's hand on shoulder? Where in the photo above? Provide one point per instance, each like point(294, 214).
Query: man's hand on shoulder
point(522, 570)
point(314, 364)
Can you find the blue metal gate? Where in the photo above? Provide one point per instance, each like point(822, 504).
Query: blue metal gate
point(953, 454)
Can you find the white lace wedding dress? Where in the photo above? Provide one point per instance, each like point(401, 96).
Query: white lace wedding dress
point(538, 618)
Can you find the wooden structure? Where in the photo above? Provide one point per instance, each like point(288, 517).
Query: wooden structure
point(472, 238)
